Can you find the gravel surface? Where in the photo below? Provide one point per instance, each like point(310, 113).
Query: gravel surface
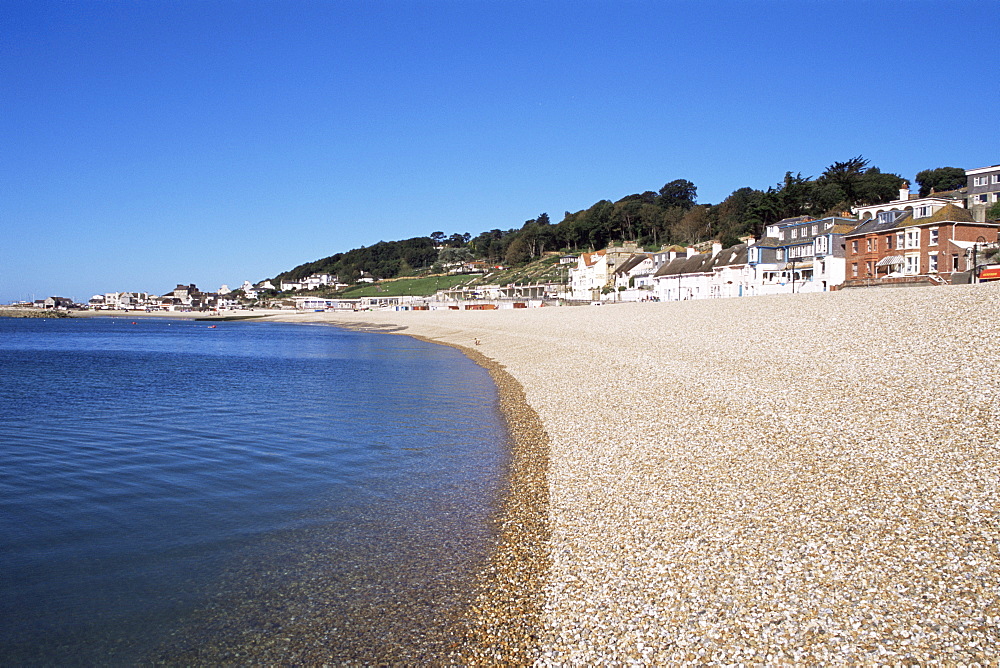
point(770, 480)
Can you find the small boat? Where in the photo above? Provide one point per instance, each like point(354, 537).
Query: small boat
point(212, 326)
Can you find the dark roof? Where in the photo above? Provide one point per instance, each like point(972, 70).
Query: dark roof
point(734, 255)
point(697, 264)
point(631, 263)
point(770, 242)
point(793, 221)
point(671, 268)
point(874, 225)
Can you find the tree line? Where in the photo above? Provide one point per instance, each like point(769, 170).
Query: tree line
point(670, 215)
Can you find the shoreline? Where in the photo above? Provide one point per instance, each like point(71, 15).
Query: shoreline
point(504, 623)
point(792, 479)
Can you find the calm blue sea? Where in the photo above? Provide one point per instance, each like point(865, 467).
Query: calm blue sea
point(256, 491)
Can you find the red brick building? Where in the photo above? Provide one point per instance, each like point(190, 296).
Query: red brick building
point(894, 246)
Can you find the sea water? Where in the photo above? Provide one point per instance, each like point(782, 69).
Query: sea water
point(171, 491)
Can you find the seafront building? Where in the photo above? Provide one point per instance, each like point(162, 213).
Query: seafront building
point(919, 207)
point(799, 255)
point(594, 273)
point(898, 247)
point(945, 237)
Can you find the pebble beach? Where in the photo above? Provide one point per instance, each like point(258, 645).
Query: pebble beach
point(802, 479)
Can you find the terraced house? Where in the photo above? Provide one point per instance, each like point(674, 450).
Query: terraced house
point(900, 247)
point(595, 271)
point(799, 255)
point(686, 276)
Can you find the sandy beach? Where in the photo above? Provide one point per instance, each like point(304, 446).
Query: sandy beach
point(795, 479)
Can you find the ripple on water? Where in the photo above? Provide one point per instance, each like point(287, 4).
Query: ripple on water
point(270, 492)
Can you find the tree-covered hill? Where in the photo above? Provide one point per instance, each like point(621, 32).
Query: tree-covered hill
point(669, 215)
point(386, 259)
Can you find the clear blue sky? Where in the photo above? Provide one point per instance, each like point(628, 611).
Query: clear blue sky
point(148, 143)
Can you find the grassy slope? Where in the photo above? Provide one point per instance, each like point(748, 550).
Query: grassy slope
point(424, 286)
point(544, 270)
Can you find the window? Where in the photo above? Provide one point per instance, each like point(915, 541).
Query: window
point(996, 178)
point(780, 254)
point(815, 230)
point(854, 269)
point(913, 238)
point(899, 239)
point(983, 199)
point(912, 264)
point(923, 211)
point(795, 234)
point(954, 263)
point(781, 235)
point(868, 268)
point(888, 242)
point(932, 265)
point(854, 246)
point(820, 245)
point(933, 241)
point(868, 245)
point(980, 180)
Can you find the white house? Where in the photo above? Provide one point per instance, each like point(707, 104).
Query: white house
point(595, 271)
point(589, 276)
point(249, 290)
point(731, 273)
point(686, 277)
point(799, 255)
point(919, 207)
point(634, 278)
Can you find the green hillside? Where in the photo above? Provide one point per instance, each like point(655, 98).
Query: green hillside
point(417, 287)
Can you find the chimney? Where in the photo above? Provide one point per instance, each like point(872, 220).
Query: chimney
point(748, 240)
point(904, 192)
point(716, 248)
point(691, 252)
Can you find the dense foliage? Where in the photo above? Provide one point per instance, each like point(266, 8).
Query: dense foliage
point(941, 179)
point(993, 213)
point(386, 259)
point(670, 215)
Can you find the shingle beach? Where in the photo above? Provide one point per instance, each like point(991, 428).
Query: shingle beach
point(805, 479)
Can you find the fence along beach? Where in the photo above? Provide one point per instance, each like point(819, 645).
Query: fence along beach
point(808, 478)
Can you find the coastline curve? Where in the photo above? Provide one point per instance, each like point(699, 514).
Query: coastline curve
point(504, 624)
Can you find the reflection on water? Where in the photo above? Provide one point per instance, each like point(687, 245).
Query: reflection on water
point(254, 490)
